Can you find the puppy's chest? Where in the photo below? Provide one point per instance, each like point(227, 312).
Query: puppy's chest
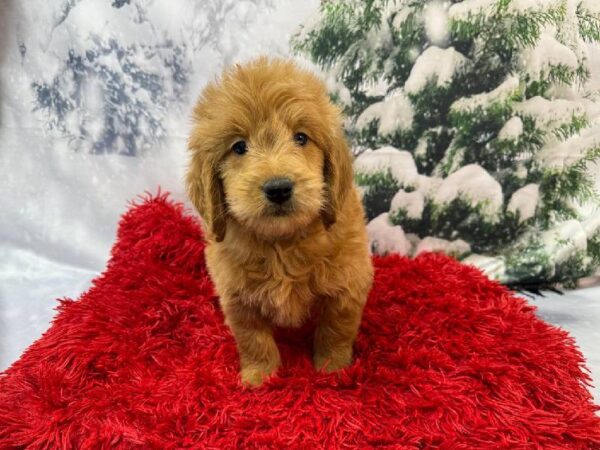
point(283, 285)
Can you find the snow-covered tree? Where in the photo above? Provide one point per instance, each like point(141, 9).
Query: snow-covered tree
point(473, 126)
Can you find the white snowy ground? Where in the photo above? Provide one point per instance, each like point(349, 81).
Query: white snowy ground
point(59, 209)
point(578, 312)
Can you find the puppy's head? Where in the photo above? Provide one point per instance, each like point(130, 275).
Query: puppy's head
point(268, 151)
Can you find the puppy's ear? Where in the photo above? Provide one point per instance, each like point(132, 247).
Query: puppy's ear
point(337, 171)
point(205, 190)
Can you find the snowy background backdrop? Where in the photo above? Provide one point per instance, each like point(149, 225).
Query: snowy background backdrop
point(95, 100)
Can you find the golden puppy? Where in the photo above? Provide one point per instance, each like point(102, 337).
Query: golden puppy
point(271, 175)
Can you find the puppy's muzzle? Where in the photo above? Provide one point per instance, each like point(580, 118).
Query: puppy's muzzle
point(278, 190)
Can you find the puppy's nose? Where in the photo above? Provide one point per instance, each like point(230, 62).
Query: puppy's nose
point(278, 190)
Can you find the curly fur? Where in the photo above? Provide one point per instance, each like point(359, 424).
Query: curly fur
point(275, 269)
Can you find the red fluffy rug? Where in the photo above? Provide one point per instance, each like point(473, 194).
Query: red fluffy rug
point(445, 359)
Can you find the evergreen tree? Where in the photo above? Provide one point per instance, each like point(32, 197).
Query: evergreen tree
point(473, 127)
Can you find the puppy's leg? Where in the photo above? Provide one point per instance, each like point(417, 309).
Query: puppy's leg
point(259, 356)
point(336, 332)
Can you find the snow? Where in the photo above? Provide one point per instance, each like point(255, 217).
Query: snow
point(564, 240)
point(414, 239)
point(378, 37)
point(434, 64)
point(578, 312)
point(421, 148)
point(525, 6)
point(412, 203)
point(428, 185)
point(400, 17)
point(550, 113)
point(493, 267)
point(337, 88)
point(394, 112)
point(504, 91)
point(468, 8)
point(547, 53)
point(591, 226)
point(521, 170)
point(512, 129)
point(475, 184)
point(386, 238)
point(562, 154)
point(435, 15)
point(400, 163)
point(376, 88)
point(592, 111)
point(455, 248)
point(592, 6)
point(29, 285)
point(524, 201)
point(69, 207)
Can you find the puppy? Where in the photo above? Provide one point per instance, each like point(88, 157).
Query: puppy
point(271, 176)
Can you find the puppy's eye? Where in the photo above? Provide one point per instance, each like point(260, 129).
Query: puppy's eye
point(239, 147)
point(301, 139)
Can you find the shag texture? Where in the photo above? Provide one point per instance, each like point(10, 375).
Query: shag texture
point(445, 359)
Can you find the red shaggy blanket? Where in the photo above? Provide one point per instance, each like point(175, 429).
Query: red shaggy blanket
point(445, 359)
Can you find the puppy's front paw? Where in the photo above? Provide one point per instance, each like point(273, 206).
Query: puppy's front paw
point(254, 376)
point(334, 360)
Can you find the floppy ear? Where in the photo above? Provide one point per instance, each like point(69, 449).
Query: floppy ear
point(338, 175)
point(205, 190)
